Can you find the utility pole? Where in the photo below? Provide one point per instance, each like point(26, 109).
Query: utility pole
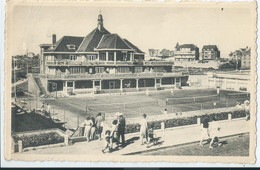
point(27, 63)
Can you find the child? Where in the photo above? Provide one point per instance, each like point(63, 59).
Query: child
point(151, 137)
point(107, 141)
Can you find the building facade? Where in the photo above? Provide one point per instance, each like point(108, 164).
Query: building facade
point(100, 61)
point(186, 52)
point(210, 52)
point(246, 59)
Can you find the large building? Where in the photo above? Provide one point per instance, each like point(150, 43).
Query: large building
point(246, 59)
point(210, 52)
point(99, 61)
point(186, 52)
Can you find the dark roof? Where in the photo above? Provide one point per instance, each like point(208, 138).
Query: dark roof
point(136, 49)
point(91, 40)
point(191, 46)
point(210, 47)
point(112, 41)
point(62, 44)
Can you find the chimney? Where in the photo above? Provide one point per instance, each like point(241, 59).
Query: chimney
point(53, 39)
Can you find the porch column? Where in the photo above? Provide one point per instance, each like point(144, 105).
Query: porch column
point(160, 82)
point(180, 82)
point(114, 57)
point(93, 83)
point(131, 56)
point(106, 56)
point(65, 86)
point(100, 81)
point(121, 84)
point(73, 86)
point(137, 87)
point(155, 83)
point(175, 85)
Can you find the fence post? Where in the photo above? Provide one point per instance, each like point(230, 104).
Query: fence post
point(66, 140)
point(198, 120)
point(162, 125)
point(229, 116)
point(20, 145)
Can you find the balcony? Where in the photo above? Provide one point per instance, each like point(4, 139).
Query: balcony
point(100, 63)
point(110, 76)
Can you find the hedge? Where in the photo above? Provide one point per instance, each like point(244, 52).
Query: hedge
point(131, 128)
point(41, 139)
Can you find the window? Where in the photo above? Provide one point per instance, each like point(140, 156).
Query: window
point(97, 83)
point(73, 57)
point(123, 70)
point(138, 69)
point(102, 56)
point(71, 47)
point(77, 70)
point(99, 69)
point(91, 57)
point(111, 56)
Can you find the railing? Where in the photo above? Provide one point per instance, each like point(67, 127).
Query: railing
point(117, 75)
point(88, 63)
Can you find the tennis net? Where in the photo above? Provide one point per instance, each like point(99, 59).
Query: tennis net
point(125, 105)
point(238, 95)
point(184, 100)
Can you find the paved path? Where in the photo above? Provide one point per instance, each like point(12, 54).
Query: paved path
point(168, 137)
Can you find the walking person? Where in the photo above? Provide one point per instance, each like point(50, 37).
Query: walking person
point(99, 127)
point(121, 129)
point(214, 131)
point(93, 129)
point(204, 130)
point(114, 134)
point(87, 124)
point(143, 129)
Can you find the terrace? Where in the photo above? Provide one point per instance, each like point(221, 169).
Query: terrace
point(111, 76)
point(107, 63)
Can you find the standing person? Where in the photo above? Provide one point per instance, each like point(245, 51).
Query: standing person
point(43, 109)
point(121, 128)
point(87, 123)
point(99, 127)
point(93, 129)
point(107, 141)
point(214, 130)
point(204, 130)
point(49, 110)
point(143, 129)
point(114, 134)
point(247, 109)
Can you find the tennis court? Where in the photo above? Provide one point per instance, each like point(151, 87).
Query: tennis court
point(155, 102)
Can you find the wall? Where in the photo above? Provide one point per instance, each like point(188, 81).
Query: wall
point(32, 86)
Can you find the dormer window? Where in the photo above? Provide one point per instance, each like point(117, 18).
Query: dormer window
point(71, 47)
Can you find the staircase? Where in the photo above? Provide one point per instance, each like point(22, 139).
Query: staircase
point(39, 84)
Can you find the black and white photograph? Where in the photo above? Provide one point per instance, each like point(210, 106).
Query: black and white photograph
point(89, 81)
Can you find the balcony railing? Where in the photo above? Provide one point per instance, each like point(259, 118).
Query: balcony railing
point(110, 76)
point(90, 63)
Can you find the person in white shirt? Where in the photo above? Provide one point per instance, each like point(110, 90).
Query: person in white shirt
point(143, 129)
point(214, 132)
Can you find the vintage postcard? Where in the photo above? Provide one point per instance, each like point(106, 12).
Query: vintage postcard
point(130, 81)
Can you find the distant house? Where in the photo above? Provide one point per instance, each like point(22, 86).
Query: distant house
point(186, 52)
point(210, 52)
point(246, 59)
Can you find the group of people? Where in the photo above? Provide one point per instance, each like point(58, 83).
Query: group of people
point(46, 110)
point(93, 127)
point(210, 131)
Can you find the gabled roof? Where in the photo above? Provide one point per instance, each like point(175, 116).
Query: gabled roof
point(91, 40)
point(112, 41)
point(62, 44)
point(210, 47)
point(136, 49)
point(191, 46)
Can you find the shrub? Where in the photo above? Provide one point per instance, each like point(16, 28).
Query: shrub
point(131, 128)
point(41, 139)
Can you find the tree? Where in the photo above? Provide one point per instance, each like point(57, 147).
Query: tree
point(153, 52)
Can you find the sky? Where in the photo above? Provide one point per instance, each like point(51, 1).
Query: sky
point(146, 27)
